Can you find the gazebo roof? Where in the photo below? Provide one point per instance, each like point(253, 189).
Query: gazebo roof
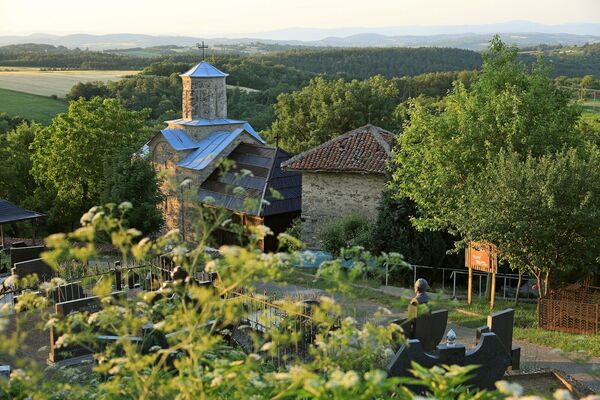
point(12, 213)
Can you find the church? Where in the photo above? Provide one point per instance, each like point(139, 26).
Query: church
point(192, 148)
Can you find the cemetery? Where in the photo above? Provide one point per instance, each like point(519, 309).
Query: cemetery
point(257, 319)
point(446, 249)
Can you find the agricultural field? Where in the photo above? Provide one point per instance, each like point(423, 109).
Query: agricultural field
point(47, 83)
point(34, 107)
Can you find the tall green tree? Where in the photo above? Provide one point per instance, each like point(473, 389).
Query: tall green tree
point(71, 154)
point(446, 160)
point(16, 181)
point(394, 232)
point(542, 212)
point(135, 180)
point(325, 109)
point(508, 107)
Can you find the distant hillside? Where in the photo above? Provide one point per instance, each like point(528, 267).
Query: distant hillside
point(520, 33)
point(389, 62)
point(264, 70)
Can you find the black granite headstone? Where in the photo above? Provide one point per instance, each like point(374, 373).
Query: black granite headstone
point(33, 267)
point(20, 254)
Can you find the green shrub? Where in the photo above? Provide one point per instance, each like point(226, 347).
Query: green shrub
point(347, 231)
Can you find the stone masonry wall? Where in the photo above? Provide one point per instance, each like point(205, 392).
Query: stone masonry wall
point(326, 196)
point(204, 98)
point(165, 161)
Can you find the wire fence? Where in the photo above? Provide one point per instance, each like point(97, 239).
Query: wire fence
point(454, 281)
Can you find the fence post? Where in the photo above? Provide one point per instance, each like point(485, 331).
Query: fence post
point(597, 317)
point(454, 287)
point(414, 275)
point(443, 269)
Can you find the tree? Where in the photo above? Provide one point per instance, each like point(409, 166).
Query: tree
point(508, 107)
point(587, 82)
point(135, 180)
point(394, 232)
point(323, 110)
point(16, 181)
point(442, 158)
point(87, 90)
point(541, 212)
point(70, 155)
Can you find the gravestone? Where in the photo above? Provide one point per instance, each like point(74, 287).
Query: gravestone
point(20, 254)
point(494, 352)
point(501, 323)
point(70, 291)
point(427, 328)
point(133, 279)
point(36, 266)
point(88, 304)
point(489, 355)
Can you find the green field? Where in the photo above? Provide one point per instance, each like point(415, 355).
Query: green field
point(47, 83)
point(38, 108)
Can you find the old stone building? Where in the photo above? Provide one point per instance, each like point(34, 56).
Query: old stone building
point(193, 148)
point(344, 175)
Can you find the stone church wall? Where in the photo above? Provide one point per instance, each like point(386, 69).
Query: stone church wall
point(326, 196)
point(165, 161)
point(204, 98)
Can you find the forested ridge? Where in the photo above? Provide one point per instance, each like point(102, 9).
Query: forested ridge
point(296, 66)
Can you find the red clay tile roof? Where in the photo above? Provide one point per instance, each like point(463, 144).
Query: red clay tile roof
point(365, 149)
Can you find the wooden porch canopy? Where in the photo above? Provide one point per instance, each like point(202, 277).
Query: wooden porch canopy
point(12, 213)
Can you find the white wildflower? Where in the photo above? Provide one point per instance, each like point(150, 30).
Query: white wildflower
point(134, 232)
point(350, 380)
point(267, 346)
point(126, 205)
point(506, 387)
point(562, 394)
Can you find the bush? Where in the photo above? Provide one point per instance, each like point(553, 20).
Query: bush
point(394, 232)
point(347, 231)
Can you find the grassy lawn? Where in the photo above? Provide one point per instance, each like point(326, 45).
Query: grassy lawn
point(362, 289)
point(38, 108)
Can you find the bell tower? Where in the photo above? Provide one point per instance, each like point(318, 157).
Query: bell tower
point(204, 93)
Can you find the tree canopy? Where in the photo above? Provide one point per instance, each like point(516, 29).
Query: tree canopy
point(501, 163)
point(70, 155)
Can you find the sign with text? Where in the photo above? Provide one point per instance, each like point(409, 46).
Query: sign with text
point(481, 257)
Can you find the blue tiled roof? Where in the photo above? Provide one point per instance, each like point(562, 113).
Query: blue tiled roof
point(212, 122)
point(204, 70)
point(179, 139)
point(205, 122)
point(209, 148)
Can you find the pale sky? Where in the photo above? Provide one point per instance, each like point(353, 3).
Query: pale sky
point(236, 17)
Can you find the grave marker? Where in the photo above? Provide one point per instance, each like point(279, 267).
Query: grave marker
point(36, 266)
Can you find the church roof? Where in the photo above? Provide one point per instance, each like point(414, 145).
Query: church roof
point(204, 70)
point(209, 148)
point(362, 150)
point(265, 188)
point(179, 139)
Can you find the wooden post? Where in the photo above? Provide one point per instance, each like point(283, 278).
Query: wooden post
point(493, 291)
point(2, 235)
point(470, 287)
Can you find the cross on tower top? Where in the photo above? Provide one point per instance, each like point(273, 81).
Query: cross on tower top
point(202, 46)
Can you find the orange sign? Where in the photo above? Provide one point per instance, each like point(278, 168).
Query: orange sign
point(481, 257)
